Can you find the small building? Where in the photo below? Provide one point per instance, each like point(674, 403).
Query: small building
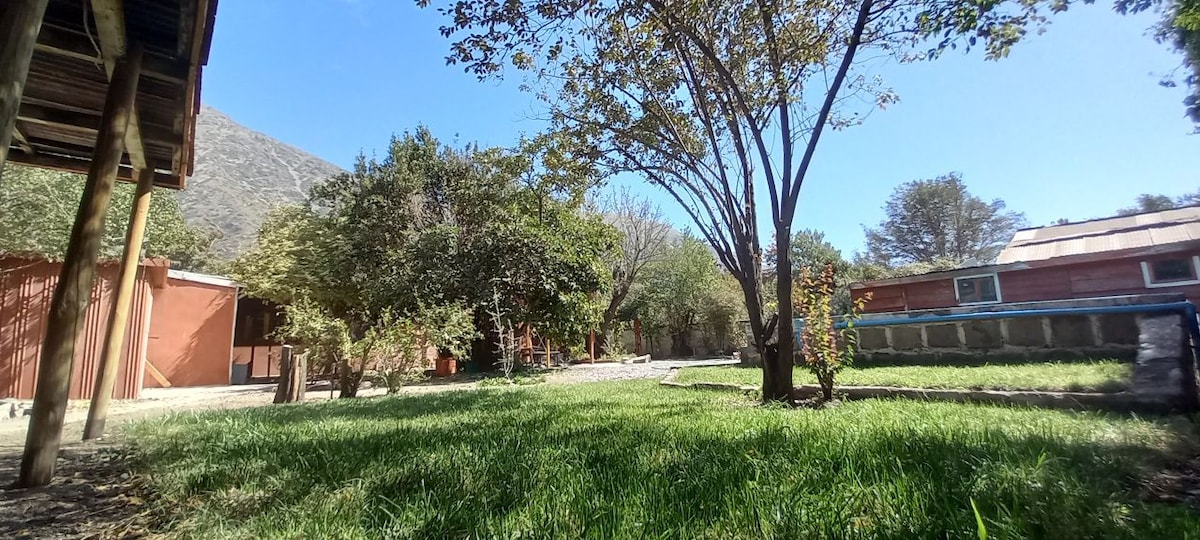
point(1155, 252)
point(180, 328)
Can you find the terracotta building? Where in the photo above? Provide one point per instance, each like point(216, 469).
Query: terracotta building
point(1145, 253)
point(180, 328)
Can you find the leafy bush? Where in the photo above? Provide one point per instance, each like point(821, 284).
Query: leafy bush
point(825, 348)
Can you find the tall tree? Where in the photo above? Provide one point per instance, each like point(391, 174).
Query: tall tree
point(680, 291)
point(428, 224)
point(37, 210)
point(644, 238)
point(706, 100)
point(936, 220)
point(810, 250)
point(1148, 203)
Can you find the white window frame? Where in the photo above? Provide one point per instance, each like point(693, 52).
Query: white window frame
point(1150, 285)
point(995, 282)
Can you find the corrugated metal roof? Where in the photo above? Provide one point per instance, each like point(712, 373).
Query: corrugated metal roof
point(1101, 235)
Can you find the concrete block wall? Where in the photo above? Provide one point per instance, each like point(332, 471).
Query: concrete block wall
point(1007, 340)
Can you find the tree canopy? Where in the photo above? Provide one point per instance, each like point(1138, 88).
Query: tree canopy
point(429, 225)
point(38, 206)
point(1148, 202)
point(685, 289)
point(937, 220)
point(644, 240)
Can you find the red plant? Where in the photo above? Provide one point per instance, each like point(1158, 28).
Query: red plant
point(826, 349)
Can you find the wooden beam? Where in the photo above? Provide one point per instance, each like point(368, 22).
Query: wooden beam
point(110, 28)
point(19, 26)
point(85, 122)
point(22, 141)
point(81, 165)
point(73, 290)
point(118, 313)
point(157, 375)
point(70, 44)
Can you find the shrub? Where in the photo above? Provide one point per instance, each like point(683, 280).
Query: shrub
point(825, 348)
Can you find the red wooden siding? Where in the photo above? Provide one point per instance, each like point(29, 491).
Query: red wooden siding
point(1112, 277)
point(26, 287)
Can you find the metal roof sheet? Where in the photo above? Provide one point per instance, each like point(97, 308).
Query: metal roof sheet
point(1102, 235)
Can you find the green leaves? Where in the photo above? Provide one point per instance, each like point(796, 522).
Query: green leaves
point(426, 233)
point(38, 206)
point(931, 221)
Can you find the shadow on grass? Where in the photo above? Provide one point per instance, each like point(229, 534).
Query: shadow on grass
point(641, 463)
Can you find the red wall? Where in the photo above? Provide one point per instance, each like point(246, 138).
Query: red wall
point(191, 334)
point(26, 286)
point(1080, 280)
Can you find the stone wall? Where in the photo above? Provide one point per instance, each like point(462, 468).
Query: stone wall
point(1015, 339)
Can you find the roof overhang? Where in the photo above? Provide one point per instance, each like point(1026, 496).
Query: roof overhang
point(1149, 251)
point(64, 94)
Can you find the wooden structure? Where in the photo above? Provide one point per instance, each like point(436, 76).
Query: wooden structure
point(180, 328)
point(110, 88)
point(293, 380)
point(1156, 252)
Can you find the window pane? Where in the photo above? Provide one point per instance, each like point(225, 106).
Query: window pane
point(1173, 270)
point(977, 289)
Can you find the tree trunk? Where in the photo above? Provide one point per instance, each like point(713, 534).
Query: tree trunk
point(603, 347)
point(608, 319)
point(780, 364)
point(293, 377)
point(483, 350)
point(348, 379)
point(678, 344)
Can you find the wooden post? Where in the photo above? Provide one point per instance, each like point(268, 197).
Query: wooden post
point(19, 28)
point(592, 347)
point(547, 345)
point(637, 336)
point(293, 376)
point(74, 288)
point(118, 313)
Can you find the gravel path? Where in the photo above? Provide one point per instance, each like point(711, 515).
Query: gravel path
point(658, 369)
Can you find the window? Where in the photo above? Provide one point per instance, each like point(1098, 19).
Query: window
point(977, 289)
point(1171, 272)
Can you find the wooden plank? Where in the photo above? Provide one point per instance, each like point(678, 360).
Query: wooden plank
point(110, 28)
point(22, 140)
point(19, 26)
point(85, 122)
point(70, 44)
point(73, 291)
point(80, 165)
point(157, 375)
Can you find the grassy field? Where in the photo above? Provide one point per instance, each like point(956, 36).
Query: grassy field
point(636, 460)
point(1101, 376)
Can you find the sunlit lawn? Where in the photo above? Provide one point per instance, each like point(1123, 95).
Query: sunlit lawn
point(636, 460)
point(1098, 376)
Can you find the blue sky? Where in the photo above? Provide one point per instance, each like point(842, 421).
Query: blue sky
point(1072, 125)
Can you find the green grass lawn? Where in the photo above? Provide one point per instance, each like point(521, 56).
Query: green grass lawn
point(637, 460)
point(1100, 376)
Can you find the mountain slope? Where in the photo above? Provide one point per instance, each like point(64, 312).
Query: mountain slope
point(240, 175)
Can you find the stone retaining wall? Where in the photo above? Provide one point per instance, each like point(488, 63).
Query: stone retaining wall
point(1015, 339)
point(1009, 340)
